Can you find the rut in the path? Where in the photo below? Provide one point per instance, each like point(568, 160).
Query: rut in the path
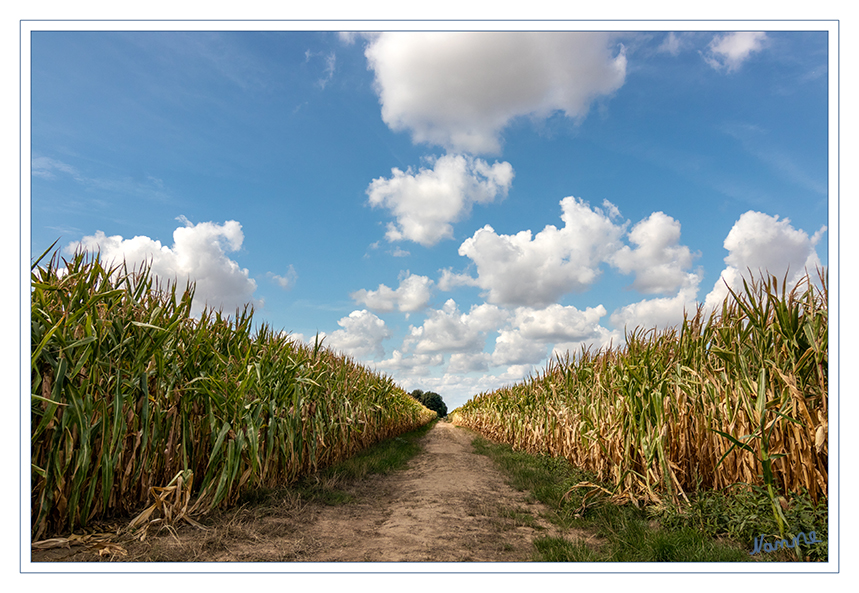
point(449, 505)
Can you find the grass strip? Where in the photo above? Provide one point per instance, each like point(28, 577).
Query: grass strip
point(713, 527)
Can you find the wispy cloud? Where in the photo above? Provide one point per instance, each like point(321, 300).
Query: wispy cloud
point(205, 53)
point(672, 44)
point(756, 142)
point(728, 52)
point(286, 282)
point(146, 186)
point(330, 66)
point(47, 168)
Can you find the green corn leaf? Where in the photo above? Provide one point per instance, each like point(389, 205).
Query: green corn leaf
point(225, 428)
point(760, 406)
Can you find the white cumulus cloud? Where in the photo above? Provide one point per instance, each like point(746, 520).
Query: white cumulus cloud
point(198, 254)
point(536, 271)
point(448, 330)
point(729, 51)
point(558, 322)
point(764, 244)
point(417, 365)
point(512, 348)
point(532, 330)
point(427, 202)
point(362, 335)
point(462, 363)
point(602, 340)
point(459, 90)
point(413, 294)
point(658, 261)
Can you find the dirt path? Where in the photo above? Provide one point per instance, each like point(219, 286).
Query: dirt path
point(449, 505)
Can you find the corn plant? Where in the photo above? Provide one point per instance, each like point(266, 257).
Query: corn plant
point(130, 393)
point(736, 397)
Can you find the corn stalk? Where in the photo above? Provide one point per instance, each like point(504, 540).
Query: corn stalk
point(736, 397)
point(130, 391)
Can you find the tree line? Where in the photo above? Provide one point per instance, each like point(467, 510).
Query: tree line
point(431, 400)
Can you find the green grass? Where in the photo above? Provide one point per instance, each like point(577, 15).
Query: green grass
point(745, 514)
point(547, 479)
point(637, 543)
point(714, 527)
point(382, 458)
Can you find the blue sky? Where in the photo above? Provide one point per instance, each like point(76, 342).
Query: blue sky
point(450, 208)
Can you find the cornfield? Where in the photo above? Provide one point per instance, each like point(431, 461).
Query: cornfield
point(740, 396)
point(132, 396)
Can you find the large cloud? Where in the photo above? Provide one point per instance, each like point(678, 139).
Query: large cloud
point(361, 336)
point(602, 340)
point(658, 261)
point(557, 322)
point(417, 365)
point(448, 330)
point(425, 203)
point(512, 348)
point(462, 363)
point(460, 89)
point(764, 244)
point(531, 330)
point(535, 272)
point(413, 294)
point(198, 254)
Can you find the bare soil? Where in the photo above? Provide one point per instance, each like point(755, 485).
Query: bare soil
point(449, 505)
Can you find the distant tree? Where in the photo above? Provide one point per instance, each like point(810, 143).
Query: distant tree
point(431, 400)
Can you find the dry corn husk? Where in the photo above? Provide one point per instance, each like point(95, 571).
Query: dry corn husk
point(171, 502)
point(820, 437)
